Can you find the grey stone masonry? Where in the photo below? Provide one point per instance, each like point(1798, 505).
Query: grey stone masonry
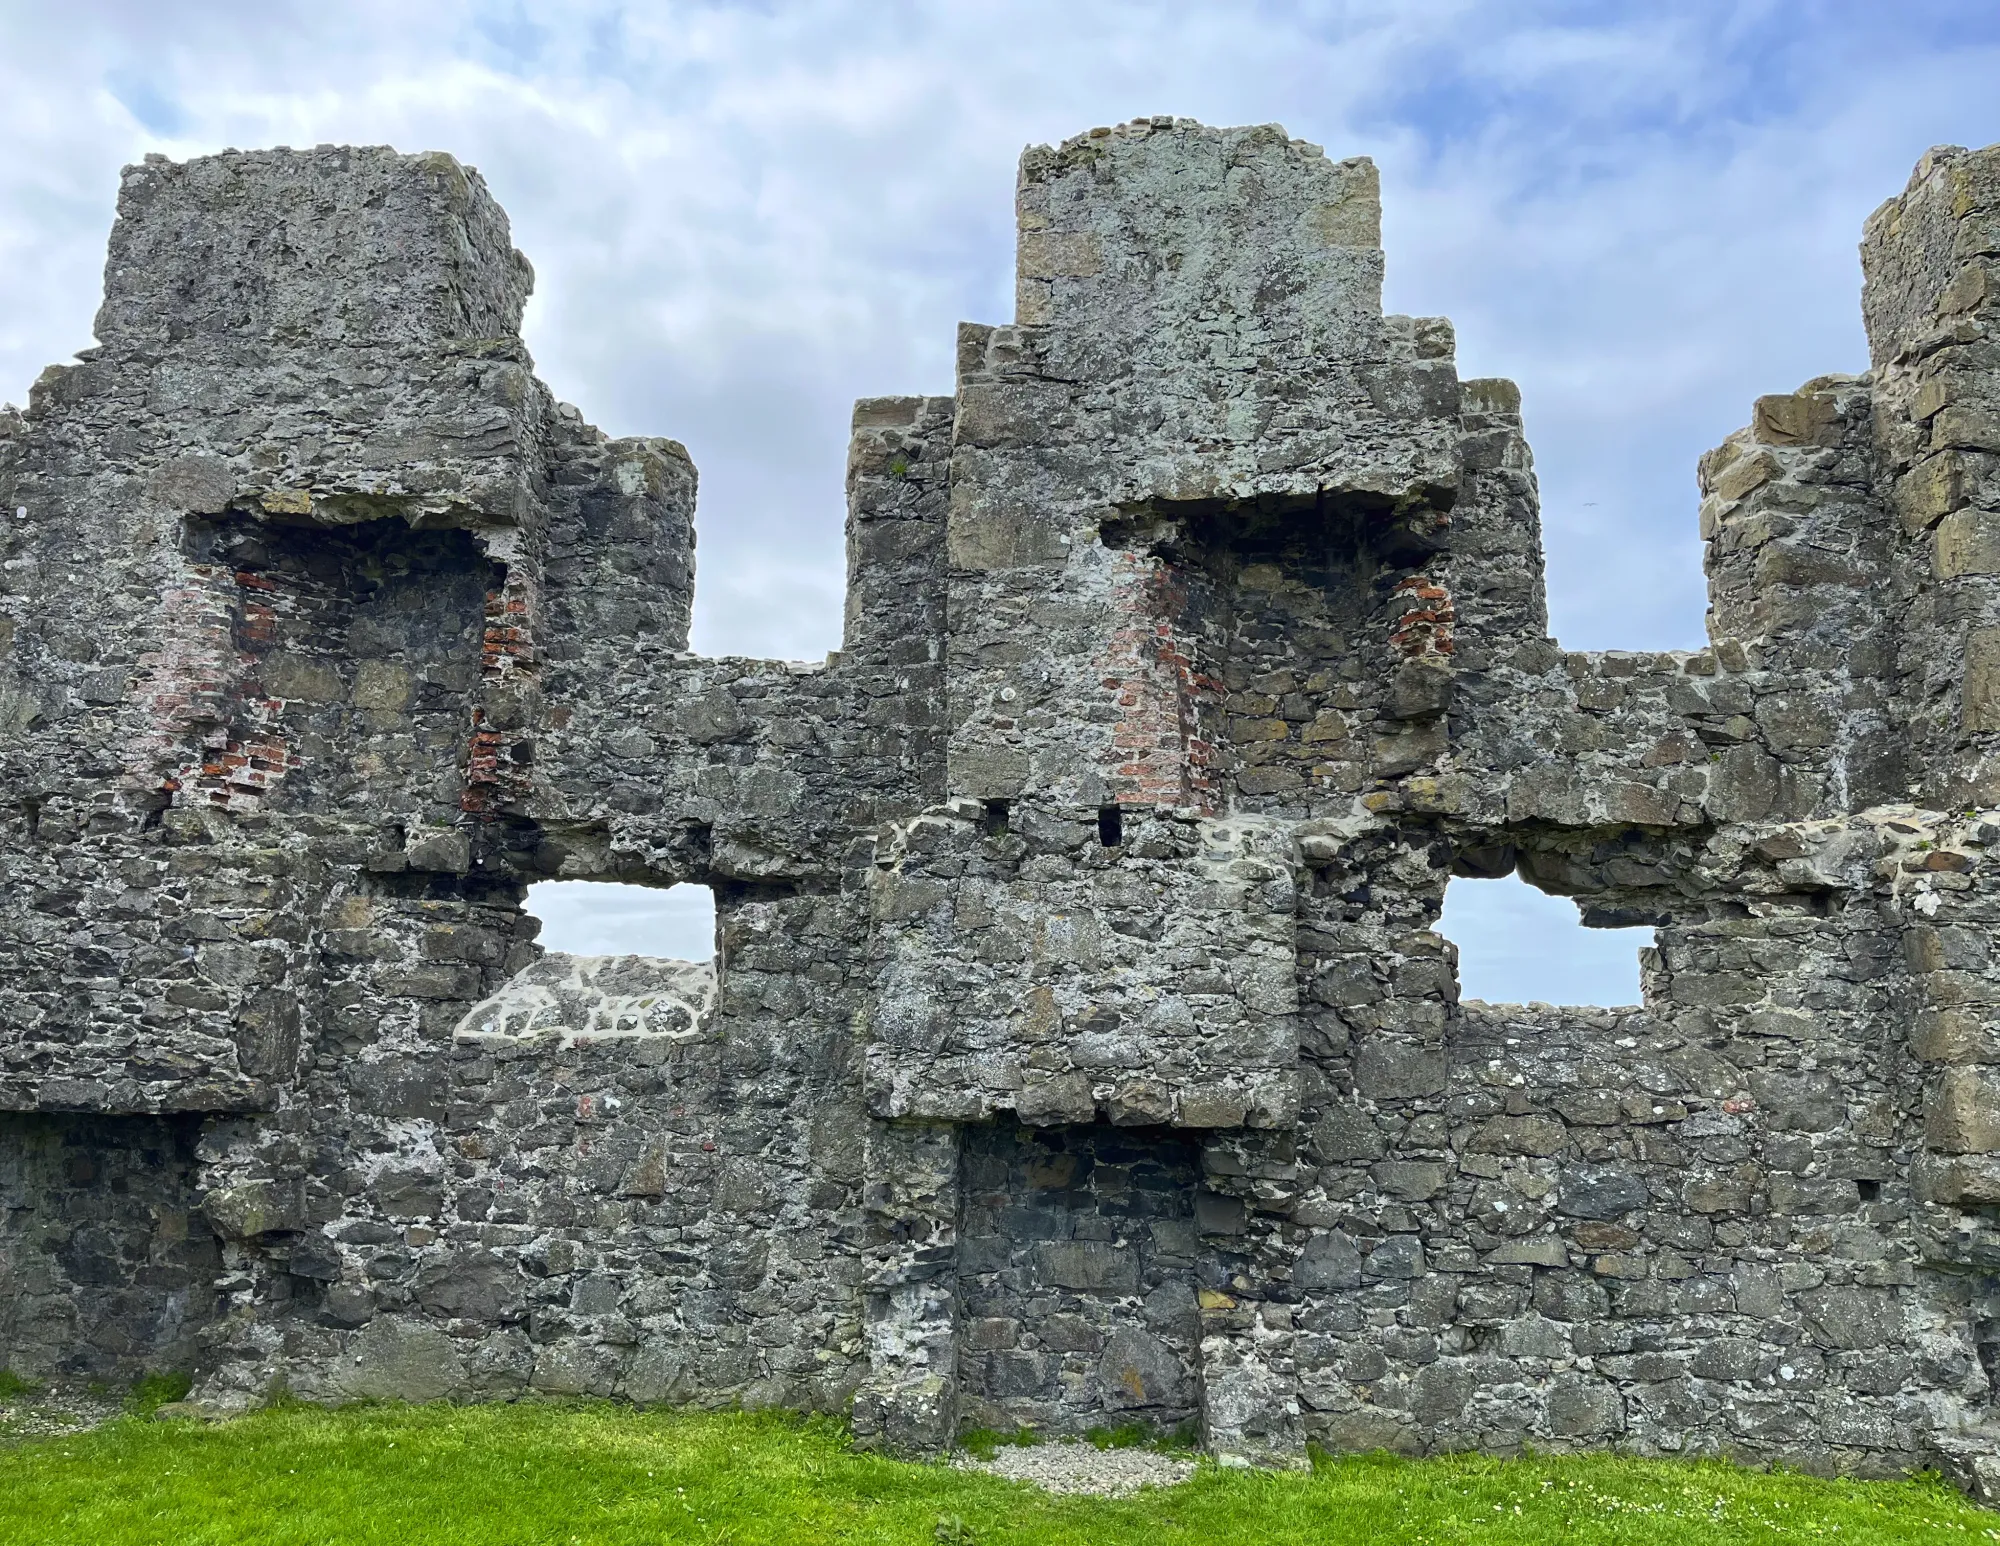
point(1078, 1046)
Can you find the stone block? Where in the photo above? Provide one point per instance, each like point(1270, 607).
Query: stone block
point(1601, 1194)
point(1803, 418)
point(997, 533)
point(1328, 1261)
point(1967, 426)
point(1139, 1370)
point(1980, 704)
point(1346, 1133)
point(1398, 1070)
point(1373, 1428)
point(1088, 1266)
point(1856, 1318)
point(1533, 1336)
point(1440, 1391)
point(1531, 1251)
point(395, 1358)
point(1409, 1180)
point(1582, 1408)
point(252, 1208)
point(446, 852)
point(1962, 1113)
point(1966, 542)
point(1729, 1358)
point(1744, 784)
point(1399, 1256)
point(1419, 690)
point(1959, 1181)
point(1529, 1134)
point(1745, 475)
point(1722, 1191)
point(383, 686)
point(1937, 485)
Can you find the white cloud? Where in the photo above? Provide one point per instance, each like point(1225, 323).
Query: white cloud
point(594, 918)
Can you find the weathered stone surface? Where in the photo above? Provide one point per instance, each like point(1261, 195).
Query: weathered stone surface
point(1964, 1114)
point(395, 1359)
point(1078, 1041)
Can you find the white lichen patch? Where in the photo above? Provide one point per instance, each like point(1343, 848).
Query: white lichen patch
point(572, 999)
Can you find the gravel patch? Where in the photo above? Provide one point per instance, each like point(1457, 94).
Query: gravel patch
point(50, 1412)
point(1072, 1467)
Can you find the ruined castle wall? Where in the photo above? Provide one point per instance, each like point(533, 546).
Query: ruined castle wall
point(181, 652)
point(653, 1208)
point(656, 764)
point(1684, 1227)
point(1156, 367)
point(1033, 966)
point(1079, 1046)
point(668, 1210)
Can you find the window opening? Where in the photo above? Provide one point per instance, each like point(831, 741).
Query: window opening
point(994, 821)
point(600, 918)
point(1517, 945)
point(1110, 826)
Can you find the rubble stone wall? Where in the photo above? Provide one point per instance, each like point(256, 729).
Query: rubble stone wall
point(1079, 1047)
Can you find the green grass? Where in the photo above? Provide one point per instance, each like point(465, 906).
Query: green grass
point(1142, 1436)
point(985, 1443)
point(154, 1391)
point(569, 1475)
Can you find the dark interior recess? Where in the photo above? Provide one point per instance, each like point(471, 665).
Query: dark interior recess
point(112, 1266)
point(364, 645)
point(1277, 610)
point(1078, 1255)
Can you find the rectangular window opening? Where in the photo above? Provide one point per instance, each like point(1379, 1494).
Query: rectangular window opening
point(994, 820)
point(1110, 826)
point(1519, 945)
point(601, 918)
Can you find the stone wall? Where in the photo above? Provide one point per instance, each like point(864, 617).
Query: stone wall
point(1619, 1234)
point(1079, 1047)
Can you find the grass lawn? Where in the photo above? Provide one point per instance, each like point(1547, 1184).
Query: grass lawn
point(567, 1475)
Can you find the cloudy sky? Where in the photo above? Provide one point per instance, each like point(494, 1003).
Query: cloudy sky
point(744, 215)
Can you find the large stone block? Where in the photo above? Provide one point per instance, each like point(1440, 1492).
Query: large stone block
point(1962, 1113)
point(1967, 542)
point(399, 1359)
